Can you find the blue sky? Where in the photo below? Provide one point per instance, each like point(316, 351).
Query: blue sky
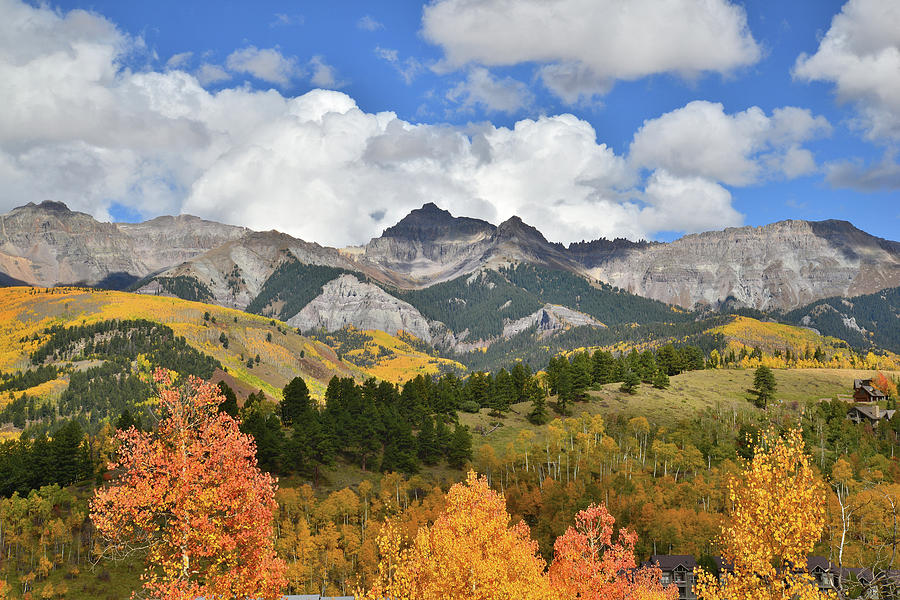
point(750, 113)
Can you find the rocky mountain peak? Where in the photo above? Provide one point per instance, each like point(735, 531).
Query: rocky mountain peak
point(515, 228)
point(52, 205)
point(433, 223)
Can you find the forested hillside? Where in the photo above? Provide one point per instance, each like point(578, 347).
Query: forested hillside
point(869, 321)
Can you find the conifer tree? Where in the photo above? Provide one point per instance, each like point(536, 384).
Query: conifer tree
point(295, 403)
point(229, 405)
point(660, 380)
point(763, 386)
point(460, 450)
point(631, 383)
point(429, 447)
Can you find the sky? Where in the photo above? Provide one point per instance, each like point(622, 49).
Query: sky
point(330, 121)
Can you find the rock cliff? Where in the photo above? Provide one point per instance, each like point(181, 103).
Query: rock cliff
point(47, 244)
point(778, 266)
point(348, 301)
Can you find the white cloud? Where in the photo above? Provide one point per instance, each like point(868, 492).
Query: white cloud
point(860, 55)
point(323, 74)
point(209, 74)
point(79, 129)
point(286, 20)
point(883, 175)
point(687, 204)
point(176, 61)
point(700, 139)
point(585, 45)
point(367, 23)
point(267, 64)
point(480, 88)
point(408, 68)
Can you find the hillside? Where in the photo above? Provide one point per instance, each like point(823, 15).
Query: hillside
point(690, 393)
point(283, 354)
point(867, 321)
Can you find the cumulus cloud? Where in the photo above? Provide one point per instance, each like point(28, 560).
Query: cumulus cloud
point(687, 204)
point(208, 74)
point(266, 64)
point(700, 139)
point(177, 61)
point(860, 55)
point(480, 88)
point(883, 175)
point(78, 128)
point(323, 74)
point(585, 45)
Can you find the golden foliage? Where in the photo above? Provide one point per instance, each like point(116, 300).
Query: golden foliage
point(470, 553)
point(778, 513)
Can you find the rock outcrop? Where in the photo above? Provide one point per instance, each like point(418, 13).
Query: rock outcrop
point(778, 266)
point(47, 244)
point(348, 301)
point(550, 319)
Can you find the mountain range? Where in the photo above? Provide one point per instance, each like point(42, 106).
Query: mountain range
point(461, 283)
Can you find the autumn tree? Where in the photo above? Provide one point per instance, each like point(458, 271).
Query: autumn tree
point(777, 515)
point(887, 386)
point(191, 496)
point(470, 553)
point(589, 565)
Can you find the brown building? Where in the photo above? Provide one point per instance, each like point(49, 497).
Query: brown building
point(864, 391)
point(869, 413)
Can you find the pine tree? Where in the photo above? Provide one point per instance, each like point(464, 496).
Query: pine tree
point(229, 405)
point(660, 380)
point(763, 386)
point(295, 403)
point(631, 383)
point(429, 448)
point(460, 451)
point(538, 414)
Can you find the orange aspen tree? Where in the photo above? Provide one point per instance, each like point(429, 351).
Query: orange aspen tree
point(777, 515)
point(588, 565)
point(191, 497)
point(470, 553)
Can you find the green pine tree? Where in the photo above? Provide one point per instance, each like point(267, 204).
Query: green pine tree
point(631, 383)
point(763, 386)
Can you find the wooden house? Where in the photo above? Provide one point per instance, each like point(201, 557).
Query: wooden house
point(864, 391)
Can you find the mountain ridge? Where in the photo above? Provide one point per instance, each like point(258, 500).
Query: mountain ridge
point(779, 266)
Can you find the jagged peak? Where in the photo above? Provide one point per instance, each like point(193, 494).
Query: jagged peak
point(54, 206)
point(431, 221)
point(46, 205)
point(515, 226)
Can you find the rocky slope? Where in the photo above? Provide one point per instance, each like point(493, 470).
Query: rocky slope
point(778, 266)
point(48, 244)
point(235, 272)
point(348, 301)
point(430, 246)
point(550, 319)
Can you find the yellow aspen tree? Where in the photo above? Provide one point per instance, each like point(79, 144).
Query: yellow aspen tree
point(470, 553)
point(777, 515)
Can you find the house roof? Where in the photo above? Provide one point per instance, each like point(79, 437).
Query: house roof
point(873, 412)
point(873, 392)
point(669, 562)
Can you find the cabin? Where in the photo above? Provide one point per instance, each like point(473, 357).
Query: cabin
point(869, 413)
point(864, 391)
point(678, 570)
